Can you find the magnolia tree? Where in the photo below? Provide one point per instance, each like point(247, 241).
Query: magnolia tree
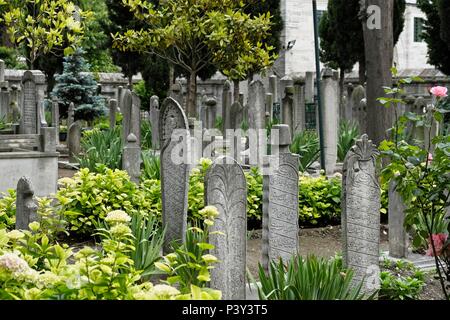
point(419, 164)
point(193, 34)
point(43, 26)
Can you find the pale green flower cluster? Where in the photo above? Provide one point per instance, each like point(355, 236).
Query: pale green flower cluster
point(117, 216)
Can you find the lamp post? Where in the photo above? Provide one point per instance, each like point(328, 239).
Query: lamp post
point(319, 100)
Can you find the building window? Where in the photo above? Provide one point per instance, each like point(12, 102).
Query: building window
point(418, 29)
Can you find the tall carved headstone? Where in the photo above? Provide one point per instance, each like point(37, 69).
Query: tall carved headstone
point(74, 141)
point(135, 117)
point(26, 208)
point(288, 108)
point(269, 108)
point(330, 102)
point(174, 135)
point(29, 120)
point(299, 106)
point(126, 109)
point(2, 71)
point(358, 94)
point(226, 105)
point(154, 121)
point(398, 237)
point(309, 87)
point(236, 115)
point(226, 189)
point(131, 162)
point(280, 202)
point(5, 107)
point(112, 113)
point(211, 112)
point(256, 105)
point(273, 88)
point(361, 214)
point(70, 115)
point(55, 117)
point(14, 104)
point(176, 92)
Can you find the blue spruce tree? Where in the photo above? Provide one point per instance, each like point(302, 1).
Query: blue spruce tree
point(77, 86)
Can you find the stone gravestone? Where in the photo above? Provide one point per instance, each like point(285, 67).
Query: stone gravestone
point(288, 108)
point(299, 106)
point(211, 112)
point(226, 189)
point(74, 141)
point(126, 109)
point(26, 208)
point(236, 115)
point(154, 121)
point(398, 237)
point(131, 162)
point(309, 87)
point(285, 82)
point(112, 113)
point(330, 103)
point(5, 110)
point(269, 108)
point(29, 119)
point(119, 97)
point(348, 106)
point(280, 203)
point(226, 105)
point(55, 117)
point(174, 135)
point(273, 88)
point(202, 108)
point(256, 105)
point(14, 104)
point(135, 117)
point(70, 115)
point(176, 92)
point(358, 94)
point(2, 72)
point(361, 214)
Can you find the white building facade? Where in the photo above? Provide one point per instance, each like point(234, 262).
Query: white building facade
point(410, 51)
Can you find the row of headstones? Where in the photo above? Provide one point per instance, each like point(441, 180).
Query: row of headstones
point(226, 189)
point(22, 106)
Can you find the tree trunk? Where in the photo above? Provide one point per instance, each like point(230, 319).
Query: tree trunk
point(362, 71)
point(379, 50)
point(236, 90)
point(192, 95)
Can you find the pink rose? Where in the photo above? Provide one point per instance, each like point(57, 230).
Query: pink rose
point(439, 91)
point(430, 158)
point(439, 241)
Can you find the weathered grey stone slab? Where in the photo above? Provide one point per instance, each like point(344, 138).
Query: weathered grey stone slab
point(226, 106)
point(174, 135)
point(309, 87)
point(49, 139)
point(361, 214)
point(280, 203)
point(26, 208)
point(131, 161)
point(256, 105)
point(135, 117)
point(112, 113)
point(299, 108)
point(126, 109)
point(211, 112)
point(358, 94)
point(154, 121)
point(5, 110)
point(226, 189)
point(14, 104)
point(398, 237)
point(236, 115)
point(287, 114)
point(55, 117)
point(70, 115)
point(74, 141)
point(273, 87)
point(29, 119)
point(330, 103)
